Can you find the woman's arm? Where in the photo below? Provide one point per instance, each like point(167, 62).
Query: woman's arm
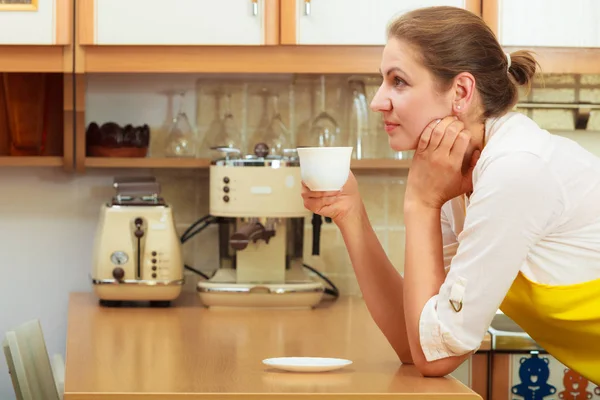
point(424, 274)
point(516, 201)
point(380, 283)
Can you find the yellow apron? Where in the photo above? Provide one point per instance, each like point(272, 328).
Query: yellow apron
point(563, 320)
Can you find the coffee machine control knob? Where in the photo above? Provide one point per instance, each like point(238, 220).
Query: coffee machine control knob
point(261, 150)
point(118, 273)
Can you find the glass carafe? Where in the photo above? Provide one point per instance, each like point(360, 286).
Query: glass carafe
point(181, 140)
point(360, 135)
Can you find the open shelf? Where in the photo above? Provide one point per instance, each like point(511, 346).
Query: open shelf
point(379, 164)
point(149, 162)
point(34, 161)
point(44, 115)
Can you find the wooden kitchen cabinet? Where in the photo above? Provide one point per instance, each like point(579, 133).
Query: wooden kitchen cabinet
point(563, 34)
point(307, 36)
point(545, 23)
point(36, 37)
point(349, 22)
point(231, 36)
point(179, 22)
point(44, 22)
point(36, 84)
point(218, 36)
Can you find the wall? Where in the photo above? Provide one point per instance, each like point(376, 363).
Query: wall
point(48, 218)
point(47, 222)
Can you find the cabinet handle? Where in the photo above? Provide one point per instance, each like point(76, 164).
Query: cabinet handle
point(306, 7)
point(255, 7)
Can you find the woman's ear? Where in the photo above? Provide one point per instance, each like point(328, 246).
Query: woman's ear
point(464, 93)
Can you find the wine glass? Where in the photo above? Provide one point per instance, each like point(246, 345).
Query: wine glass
point(324, 130)
point(181, 140)
point(230, 134)
point(277, 135)
point(223, 130)
point(260, 132)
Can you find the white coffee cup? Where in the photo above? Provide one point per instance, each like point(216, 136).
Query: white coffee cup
point(324, 169)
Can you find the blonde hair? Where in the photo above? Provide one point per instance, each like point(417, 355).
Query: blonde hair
point(452, 40)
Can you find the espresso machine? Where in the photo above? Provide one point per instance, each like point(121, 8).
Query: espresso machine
point(137, 254)
point(257, 202)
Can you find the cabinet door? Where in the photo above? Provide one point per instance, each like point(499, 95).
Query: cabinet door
point(544, 23)
point(349, 22)
point(39, 22)
point(182, 22)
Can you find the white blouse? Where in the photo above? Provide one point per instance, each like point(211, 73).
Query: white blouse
point(535, 208)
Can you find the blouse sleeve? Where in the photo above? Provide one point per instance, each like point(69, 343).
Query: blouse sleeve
point(515, 201)
point(449, 239)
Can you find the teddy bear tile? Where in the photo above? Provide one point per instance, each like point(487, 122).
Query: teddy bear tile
point(542, 377)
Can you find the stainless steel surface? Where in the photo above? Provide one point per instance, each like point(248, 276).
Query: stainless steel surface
point(127, 186)
point(273, 289)
point(136, 191)
point(510, 337)
point(559, 106)
point(257, 162)
point(137, 282)
point(233, 157)
point(581, 111)
point(306, 7)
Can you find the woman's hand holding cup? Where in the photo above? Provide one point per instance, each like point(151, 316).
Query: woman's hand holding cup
point(337, 205)
point(328, 186)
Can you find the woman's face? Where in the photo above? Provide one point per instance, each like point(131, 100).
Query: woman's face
point(407, 98)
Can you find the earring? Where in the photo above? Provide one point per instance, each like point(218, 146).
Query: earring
point(458, 107)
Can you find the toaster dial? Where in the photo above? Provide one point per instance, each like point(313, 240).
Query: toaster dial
point(118, 273)
point(119, 258)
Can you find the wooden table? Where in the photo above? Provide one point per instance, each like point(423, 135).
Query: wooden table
point(190, 352)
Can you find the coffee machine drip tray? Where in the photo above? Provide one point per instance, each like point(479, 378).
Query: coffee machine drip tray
point(222, 290)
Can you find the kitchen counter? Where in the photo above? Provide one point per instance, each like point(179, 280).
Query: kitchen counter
point(190, 352)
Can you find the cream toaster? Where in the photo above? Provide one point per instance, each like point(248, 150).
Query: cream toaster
point(137, 254)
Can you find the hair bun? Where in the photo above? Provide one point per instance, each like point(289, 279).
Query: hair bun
point(522, 67)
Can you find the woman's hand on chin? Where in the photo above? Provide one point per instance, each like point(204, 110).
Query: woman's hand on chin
point(439, 170)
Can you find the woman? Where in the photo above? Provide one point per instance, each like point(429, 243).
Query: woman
point(510, 210)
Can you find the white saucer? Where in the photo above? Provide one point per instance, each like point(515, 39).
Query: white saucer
point(307, 364)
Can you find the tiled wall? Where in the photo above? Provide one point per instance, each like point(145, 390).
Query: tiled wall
point(142, 99)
